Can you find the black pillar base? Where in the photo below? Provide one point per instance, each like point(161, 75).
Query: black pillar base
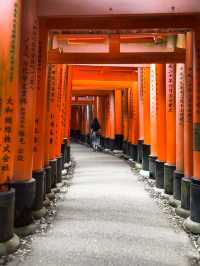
point(152, 166)
point(146, 148)
point(159, 173)
point(7, 208)
point(53, 164)
point(24, 198)
point(38, 208)
point(48, 179)
point(102, 141)
point(134, 152)
point(129, 148)
point(194, 200)
point(111, 144)
point(118, 141)
point(106, 143)
point(168, 178)
point(125, 147)
point(177, 184)
point(193, 223)
point(59, 169)
point(184, 209)
point(140, 143)
point(68, 154)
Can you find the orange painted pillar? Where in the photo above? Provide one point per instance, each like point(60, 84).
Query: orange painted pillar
point(68, 102)
point(129, 120)
point(112, 120)
point(170, 164)
point(146, 114)
point(180, 83)
point(118, 119)
point(135, 122)
point(125, 120)
point(153, 120)
point(9, 59)
point(41, 101)
point(178, 173)
point(183, 210)
point(193, 222)
point(161, 124)
point(141, 116)
point(27, 104)
point(9, 69)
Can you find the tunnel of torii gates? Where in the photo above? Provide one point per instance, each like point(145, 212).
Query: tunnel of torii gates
point(147, 102)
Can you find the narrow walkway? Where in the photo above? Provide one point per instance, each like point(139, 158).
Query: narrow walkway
point(108, 219)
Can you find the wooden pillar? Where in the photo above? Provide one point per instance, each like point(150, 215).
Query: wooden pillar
point(9, 60)
point(10, 15)
point(141, 116)
point(135, 122)
point(27, 105)
point(68, 102)
point(153, 120)
point(170, 164)
point(192, 223)
point(161, 124)
point(180, 83)
point(41, 100)
point(146, 114)
point(183, 210)
point(125, 120)
point(118, 119)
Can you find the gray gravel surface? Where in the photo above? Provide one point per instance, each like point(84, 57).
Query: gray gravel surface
point(108, 218)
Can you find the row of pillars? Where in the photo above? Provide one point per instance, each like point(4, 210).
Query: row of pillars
point(157, 123)
point(34, 122)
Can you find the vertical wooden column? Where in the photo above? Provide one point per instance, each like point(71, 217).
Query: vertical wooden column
point(27, 106)
point(183, 210)
point(10, 15)
point(178, 173)
point(135, 122)
point(10, 44)
point(153, 121)
point(180, 83)
point(161, 124)
point(146, 114)
point(141, 116)
point(170, 164)
point(125, 120)
point(129, 120)
point(68, 101)
point(112, 120)
point(41, 100)
point(118, 119)
point(193, 222)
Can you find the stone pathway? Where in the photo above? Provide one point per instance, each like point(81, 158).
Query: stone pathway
point(108, 219)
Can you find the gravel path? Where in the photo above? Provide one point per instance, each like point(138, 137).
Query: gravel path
point(108, 219)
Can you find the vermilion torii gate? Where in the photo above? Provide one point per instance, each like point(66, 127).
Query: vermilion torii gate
point(36, 87)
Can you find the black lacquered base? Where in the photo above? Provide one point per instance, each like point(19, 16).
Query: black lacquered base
point(25, 192)
point(7, 208)
point(168, 178)
point(133, 152)
point(118, 141)
point(59, 169)
point(152, 166)
point(177, 184)
point(39, 177)
point(146, 148)
point(193, 222)
point(159, 173)
point(140, 143)
point(53, 164)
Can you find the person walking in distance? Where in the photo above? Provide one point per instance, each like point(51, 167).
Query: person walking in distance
point(95, 134)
